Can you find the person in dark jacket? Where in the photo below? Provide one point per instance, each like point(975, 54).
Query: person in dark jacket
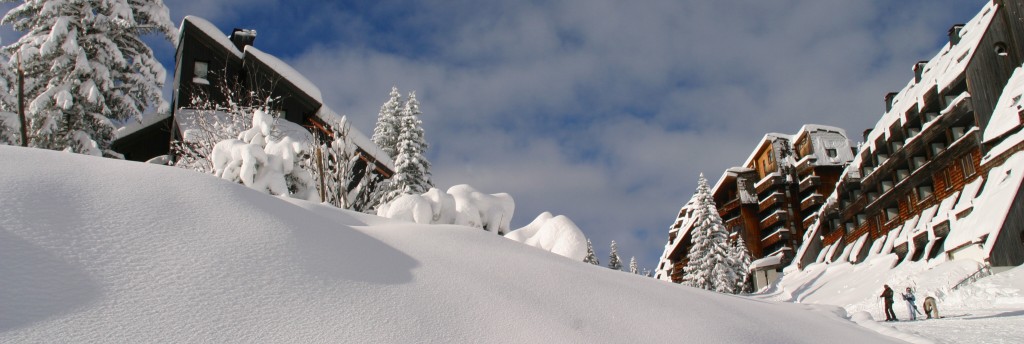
point(887, 295)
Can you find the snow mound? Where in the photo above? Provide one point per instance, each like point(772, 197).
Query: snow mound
point(461, 205)
point(100, 250)
point(555, 234)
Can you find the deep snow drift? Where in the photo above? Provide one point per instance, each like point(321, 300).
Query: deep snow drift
point(98, 250)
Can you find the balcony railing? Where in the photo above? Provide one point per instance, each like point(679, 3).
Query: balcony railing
point(774, 218)
point(809, 181)
point(812, 200)
point(768, 182)
point(771, 200)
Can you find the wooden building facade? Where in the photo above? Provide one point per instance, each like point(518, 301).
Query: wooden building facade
point(927, 156)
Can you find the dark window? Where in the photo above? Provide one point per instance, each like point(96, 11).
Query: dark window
point(832, 152)
point(968, 165)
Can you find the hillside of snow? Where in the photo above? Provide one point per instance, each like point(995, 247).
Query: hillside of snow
point(99, 250)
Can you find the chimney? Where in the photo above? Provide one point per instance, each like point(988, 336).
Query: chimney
point(888, 100)
point(242, 38)
point(954, 34)
point(919, 70)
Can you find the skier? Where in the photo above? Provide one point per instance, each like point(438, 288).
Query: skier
point(911, 307)
point(929, 308)
point(887, 296)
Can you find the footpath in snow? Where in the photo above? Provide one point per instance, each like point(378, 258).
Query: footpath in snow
point(989, 310)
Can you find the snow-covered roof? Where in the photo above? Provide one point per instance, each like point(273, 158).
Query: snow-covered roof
point(333, 119)
point(823, 138)
point(940, 73)
point(1006, 116)
point(210, 30)
point(766, 262)
point(133, 126)
point(767, 139)
point(286, 71)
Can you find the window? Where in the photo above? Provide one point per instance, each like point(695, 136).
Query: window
point(968, 166)
point(200, 73)
point(924, 191)
point(945, 179)
point(1000, 49)
point(832, 152)
point(892, 213)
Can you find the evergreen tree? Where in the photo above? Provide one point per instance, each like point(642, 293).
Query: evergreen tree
point(708, 267)
point(385, 134)
point(614, 262)
point(740, 257)
point(591, 257)
point(412, 170)
point(633, 268)
point(86, 67)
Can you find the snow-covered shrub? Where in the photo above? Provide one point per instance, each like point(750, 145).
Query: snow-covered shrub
point(556, 234)
point(208, 121)
point(461, 205)
point(261, 161)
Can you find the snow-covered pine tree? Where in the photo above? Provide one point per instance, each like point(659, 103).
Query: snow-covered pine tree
point(614, 262)
point(385, 136)
point(633, 268)
point(740, 257)
point(412, 170)
point(591, 257)
point(385, 133)
point(708, 267)
point(86, 67)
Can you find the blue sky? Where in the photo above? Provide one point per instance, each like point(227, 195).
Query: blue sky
point(604, 111)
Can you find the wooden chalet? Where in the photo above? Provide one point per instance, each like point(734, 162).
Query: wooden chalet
point(209, 64)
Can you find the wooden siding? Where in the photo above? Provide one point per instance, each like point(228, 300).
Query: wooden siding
point(988, 71)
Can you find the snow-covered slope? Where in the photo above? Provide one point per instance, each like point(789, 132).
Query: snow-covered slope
point(98, 250)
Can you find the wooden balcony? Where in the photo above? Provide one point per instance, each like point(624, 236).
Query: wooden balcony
point(809, 220)
point(771, 200)
point(775, 217)
point(811, 201)
point(809, 181)
point(769, 182)
point(730, 206)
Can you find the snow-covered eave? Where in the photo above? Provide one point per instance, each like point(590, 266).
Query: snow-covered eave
point(210, 31)
point(286, 72)
point(766, 263)
point(768, 139)
point(333, 119)
point(806, 129)
point(133, 126)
